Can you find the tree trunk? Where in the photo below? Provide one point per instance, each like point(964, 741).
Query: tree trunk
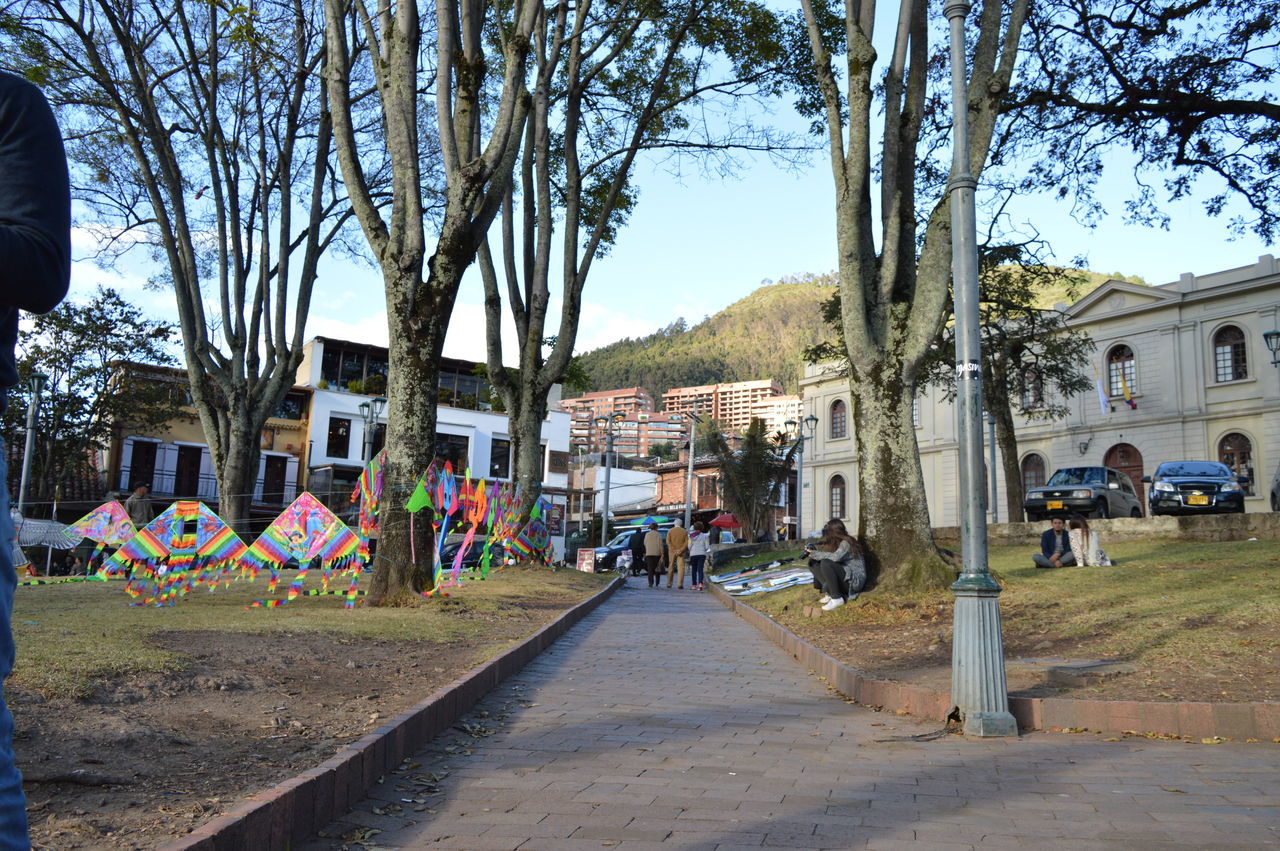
point(893, 515)
point(1007, 439)
point(526, 437)
point(403, 565)
point(237, 474)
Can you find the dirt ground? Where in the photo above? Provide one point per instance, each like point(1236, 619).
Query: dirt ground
point(148, 758)
point(920, 652)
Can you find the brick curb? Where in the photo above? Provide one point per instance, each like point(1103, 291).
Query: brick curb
point(1238, 721)
point(292, 811)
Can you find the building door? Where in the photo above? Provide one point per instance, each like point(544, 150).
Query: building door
point(142, 465)
point(1127, 459)
point(186, 478)
point(273, 479)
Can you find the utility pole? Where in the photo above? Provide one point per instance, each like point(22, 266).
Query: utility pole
point(688, 477)
point(607, 423)
point(978, 686)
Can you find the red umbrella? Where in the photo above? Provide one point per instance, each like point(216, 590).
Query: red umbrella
point(726, 521)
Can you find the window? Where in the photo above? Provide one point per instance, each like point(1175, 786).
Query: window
point(1033, 467)
point(293, 406)
point(1033, 390)
point(558, 462)
point(839, 419)
point(708, 486)
point(339, 437)
point(500, 459)
point(1120, 372)
point(1229, 363)
point(1236, 451)
point(838, 491)
point(454, 449)
point(379, 437)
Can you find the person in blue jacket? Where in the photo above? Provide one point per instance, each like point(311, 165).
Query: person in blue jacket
point(35, 271)
point(1055, 546)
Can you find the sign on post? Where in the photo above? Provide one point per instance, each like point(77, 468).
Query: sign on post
point(586, 560)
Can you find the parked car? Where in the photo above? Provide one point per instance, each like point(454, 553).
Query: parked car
point(1195, 487)
point(607, 556)
point(1091, 491)
point(470, 559)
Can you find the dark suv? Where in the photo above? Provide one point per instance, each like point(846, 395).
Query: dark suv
point(1096, 491)
point(1195, 487)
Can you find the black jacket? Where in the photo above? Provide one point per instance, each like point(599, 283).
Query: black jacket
point(35, 214)
point(1046, 543)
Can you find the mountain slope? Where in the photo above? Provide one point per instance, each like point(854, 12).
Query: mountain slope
point(757, 337)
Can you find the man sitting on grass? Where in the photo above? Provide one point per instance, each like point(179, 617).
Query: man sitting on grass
point(1055, 546)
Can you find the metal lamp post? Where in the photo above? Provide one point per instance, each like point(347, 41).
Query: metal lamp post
point(978, 687)
point(607, 424)
point(991, 469)
point(688, 474)
point(797, 430)
point(35, 385)
point(371, 411)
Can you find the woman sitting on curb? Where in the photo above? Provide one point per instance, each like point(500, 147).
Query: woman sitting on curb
point(1086, 545)
point(838, 566)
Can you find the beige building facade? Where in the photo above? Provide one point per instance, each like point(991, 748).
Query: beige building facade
point(1190, 353)
point(732, 404)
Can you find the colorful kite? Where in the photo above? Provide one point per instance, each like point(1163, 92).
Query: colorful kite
point(368, 493)
point(305, 532)
point(185, 546)
point(107, 525)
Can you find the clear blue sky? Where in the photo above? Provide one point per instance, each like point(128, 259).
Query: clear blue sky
point(696, 244)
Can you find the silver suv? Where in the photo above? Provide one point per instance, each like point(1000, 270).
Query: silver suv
point(1091, 491)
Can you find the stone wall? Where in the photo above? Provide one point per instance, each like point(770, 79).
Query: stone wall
point(1209, 527)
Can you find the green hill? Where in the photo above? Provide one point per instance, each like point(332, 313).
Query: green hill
point(757, 337)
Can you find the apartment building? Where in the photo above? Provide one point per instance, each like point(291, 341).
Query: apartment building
point(776, 411)
point(1191, 354)
point(604, 403)
point(635, 432)
point(731, 403)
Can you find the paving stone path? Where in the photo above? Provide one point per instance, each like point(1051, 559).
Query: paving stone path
point(663, 719)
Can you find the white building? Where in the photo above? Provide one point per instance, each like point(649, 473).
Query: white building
point(1192, 355)
point(468, 433)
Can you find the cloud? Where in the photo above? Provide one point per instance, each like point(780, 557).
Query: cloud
point(600, 325)
point(371, 330)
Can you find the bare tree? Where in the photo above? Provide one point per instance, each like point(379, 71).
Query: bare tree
point(479, 133)
point(612, 80)
point(198, 131)
point(894, 290)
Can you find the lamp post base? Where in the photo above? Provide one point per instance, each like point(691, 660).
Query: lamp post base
point(978, 686)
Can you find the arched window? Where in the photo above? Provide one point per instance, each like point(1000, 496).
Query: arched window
point(1032, 390)
point(839, 419)
point(1236, 451)
point(1229, 361)
point(1121, 372)
point(1033, 471)
point(838, 502)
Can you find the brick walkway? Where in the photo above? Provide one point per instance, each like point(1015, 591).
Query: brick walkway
point(663, 719)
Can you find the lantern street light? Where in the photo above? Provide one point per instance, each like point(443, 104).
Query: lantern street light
point(801, 431)
point(978, 687)
point(608, 425)
point(1272, 339)
point(35, 385)
point(371, 411)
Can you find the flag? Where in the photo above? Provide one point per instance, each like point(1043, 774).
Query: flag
point(1103, 402)
point(1124, 385)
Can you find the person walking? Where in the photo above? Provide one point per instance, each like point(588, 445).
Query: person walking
point(35, 256)
point(677, 554)
point(636, 544)
point(138, 505)
point(699, 545)
point(838, 566)
point(652, 554)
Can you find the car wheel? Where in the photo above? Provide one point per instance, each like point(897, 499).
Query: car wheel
point(1275, 502)
point(1136, 513)
point(1032, 517)
point(1104, 510)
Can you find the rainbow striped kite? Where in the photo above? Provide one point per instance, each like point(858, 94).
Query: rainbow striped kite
point(185, 546)
point(306, 531)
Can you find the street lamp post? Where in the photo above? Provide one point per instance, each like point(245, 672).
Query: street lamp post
point(688, 475)
point(801, 431)
point(1272, 339)
point(371, 411)
point(978, 687)
point(607, 423)
point(991, 468)
point(36, 386)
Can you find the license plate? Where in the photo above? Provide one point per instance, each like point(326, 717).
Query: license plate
point(1198, 499)
point(1054, 505)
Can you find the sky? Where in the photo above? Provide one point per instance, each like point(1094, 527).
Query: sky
point(696, 243)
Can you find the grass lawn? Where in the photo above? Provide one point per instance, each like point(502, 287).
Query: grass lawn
point(1201, 620)
point(73, 635)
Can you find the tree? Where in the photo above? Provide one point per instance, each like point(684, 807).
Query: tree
point(665, 449)
point(197, 131)
point(90, 352)
point(894, 288)
point(1032, 361)
point(753, 477)
point(612, 79)
point(474, 98)
point(1189, 87)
